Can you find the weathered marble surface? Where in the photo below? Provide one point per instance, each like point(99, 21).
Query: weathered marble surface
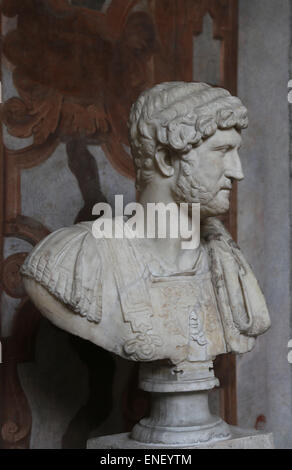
point(240, 439)
point(108, 291)
point(56, 279)
point(151, 299)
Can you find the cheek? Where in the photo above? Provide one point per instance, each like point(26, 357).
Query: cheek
point(209, 171)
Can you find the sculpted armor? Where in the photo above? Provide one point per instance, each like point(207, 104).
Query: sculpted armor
point(151, 300)
point(209, 310)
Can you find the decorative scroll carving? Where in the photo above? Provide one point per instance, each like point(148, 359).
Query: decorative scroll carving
point(11, 279)
point(18, 348)
point(97, 60)
point(142, 347)
point(196, 330)
point(26, 228)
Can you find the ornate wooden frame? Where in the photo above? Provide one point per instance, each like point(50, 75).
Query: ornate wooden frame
point(175, 23)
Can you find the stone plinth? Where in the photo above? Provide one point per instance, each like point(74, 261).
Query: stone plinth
point(240, 439)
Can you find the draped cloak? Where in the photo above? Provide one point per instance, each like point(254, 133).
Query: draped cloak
point(214, 308)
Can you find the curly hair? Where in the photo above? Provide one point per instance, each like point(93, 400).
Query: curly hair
point(179, 116)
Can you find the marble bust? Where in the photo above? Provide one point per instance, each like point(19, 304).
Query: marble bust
point(150, 300)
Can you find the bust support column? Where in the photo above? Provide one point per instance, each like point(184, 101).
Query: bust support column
point(180, 414)
point(180, 417)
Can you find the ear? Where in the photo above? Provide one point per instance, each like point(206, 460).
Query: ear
point(164, 161)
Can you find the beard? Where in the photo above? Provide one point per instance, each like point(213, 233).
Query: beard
point(187, 189)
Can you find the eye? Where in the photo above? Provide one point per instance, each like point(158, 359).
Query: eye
point(223, 149)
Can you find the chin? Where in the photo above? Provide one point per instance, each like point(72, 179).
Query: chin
point(215, 208)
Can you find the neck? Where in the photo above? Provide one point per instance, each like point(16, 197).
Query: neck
point(155, 192)
point(167, 248)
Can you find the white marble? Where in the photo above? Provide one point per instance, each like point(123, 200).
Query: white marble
point(241, 439)
point(151, 300)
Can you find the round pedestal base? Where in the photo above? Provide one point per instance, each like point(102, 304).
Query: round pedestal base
point(214, 431)
point(240, 439)
point(180, 412)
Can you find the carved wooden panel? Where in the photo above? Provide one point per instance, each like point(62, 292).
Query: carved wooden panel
point(77, 67)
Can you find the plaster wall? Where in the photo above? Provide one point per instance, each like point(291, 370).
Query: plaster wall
point(264, 375)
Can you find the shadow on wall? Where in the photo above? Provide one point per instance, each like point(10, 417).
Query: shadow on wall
point(69, 387)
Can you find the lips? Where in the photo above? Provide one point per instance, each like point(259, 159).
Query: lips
point(228, 185)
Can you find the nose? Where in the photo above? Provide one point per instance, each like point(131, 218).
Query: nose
point(233, 166)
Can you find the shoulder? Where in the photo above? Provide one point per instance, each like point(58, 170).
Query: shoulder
point(68, 264)
point(61, 249)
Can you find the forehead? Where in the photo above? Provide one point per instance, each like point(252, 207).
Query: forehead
point(225, 137)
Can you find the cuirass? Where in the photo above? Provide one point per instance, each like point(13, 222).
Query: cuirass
point(185, 306)
point(172, 316)
point(115, 296)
